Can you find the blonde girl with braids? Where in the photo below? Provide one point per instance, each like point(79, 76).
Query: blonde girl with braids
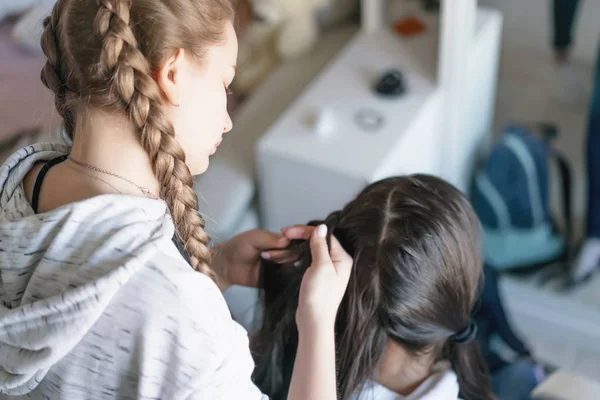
point(108, 287)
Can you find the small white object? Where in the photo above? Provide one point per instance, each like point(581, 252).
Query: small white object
point(372, 12)
point(325, 122)
point(370, 120)
point(298, 36)
point(587, 260)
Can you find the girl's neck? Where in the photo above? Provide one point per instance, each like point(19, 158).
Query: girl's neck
point(110, 142)
point(401, 372)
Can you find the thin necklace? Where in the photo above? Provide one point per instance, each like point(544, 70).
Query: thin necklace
point(108, 184)
point(145, 191)
point(95, 178)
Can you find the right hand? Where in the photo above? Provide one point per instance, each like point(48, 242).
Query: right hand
point(324, 282)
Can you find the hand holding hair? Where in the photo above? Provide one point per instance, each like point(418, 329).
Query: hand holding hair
point(324, 282)
point(284, 256)
point(321, 291)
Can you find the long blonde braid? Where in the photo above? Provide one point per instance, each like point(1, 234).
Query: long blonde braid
point(113, 72)
point(132, 80)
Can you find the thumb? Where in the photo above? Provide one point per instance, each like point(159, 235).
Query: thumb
point(318, 246)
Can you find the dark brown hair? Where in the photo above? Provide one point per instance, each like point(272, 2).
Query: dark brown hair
point(102, 54)
point(416, 278)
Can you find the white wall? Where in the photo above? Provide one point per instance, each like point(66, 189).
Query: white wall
point(481, 88)
point(468, 83)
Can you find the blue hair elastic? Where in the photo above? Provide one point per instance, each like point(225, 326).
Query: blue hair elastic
point(467, 335)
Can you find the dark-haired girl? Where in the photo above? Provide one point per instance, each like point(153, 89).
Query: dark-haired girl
point(404, 327)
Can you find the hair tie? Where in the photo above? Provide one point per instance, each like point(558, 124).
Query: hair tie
point(467, 335)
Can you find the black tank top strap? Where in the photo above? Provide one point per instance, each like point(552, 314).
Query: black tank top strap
point(39, 180)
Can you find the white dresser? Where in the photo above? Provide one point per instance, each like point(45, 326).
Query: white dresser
point(304, 174)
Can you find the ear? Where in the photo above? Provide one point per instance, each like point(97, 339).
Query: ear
point(169, 77)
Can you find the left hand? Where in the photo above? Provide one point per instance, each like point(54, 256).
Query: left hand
point(237, 261)
point(324, 282)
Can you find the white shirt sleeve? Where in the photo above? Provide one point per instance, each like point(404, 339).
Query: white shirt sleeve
point(221, 363)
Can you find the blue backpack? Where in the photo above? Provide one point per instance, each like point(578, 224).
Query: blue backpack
point(511, 196)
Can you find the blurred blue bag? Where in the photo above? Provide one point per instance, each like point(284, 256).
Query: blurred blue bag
point(511, 195)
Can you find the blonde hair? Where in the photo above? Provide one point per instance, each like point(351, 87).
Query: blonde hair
point(103, 53)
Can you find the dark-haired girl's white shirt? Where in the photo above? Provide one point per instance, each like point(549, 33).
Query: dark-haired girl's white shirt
point(96, 302)
point(441, 385)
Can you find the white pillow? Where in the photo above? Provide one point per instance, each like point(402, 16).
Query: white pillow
point(28, 30)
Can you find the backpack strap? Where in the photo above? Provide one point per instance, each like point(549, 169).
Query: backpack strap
point(515, 144)
point(549, 132)
point(566, 179)
point(494, 199)
point(519, 149)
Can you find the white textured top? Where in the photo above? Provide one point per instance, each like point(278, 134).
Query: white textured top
point(441, 385)
point(96, 302)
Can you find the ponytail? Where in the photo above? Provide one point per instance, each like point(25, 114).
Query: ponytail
point(471, 370)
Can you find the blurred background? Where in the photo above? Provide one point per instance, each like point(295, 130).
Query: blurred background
point(495, 96)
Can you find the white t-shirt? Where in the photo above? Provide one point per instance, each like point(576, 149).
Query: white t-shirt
point(441, 385)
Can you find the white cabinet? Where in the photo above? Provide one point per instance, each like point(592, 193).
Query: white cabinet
point(304, 175)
